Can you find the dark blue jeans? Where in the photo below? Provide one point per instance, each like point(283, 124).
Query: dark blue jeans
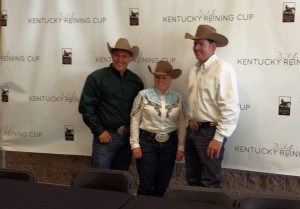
point(200, 169)
point(115, 155)
point(156, 166)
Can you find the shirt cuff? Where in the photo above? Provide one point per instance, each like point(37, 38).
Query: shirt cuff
point(135, 145)
point(219, 137)
point(99, 131)
point(180, 148)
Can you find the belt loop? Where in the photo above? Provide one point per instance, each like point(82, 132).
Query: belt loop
point(149, 134)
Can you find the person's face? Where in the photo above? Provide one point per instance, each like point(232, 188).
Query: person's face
point(203, 49)
point(121, 59)
point(162, 83)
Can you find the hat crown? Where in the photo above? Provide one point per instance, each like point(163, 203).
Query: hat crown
point(163, 67)
point(204, 30)
point(122, 43)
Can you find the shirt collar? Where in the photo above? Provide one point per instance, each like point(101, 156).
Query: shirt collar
point(117, 73)
point(158, 92)
point(208, 62)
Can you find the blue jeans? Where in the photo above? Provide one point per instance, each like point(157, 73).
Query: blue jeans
point(156, 166)
point(115, 155)
point(200, 169)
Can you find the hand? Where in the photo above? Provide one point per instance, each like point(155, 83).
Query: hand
point(137, 153)
point(214, 149)
point(105, 137)
point(179, 155)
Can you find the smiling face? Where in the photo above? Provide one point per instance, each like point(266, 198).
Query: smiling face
point(162, 82)
point(121, 59)
point(204, 49)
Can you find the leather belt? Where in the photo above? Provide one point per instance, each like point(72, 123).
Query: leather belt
point(194, 125)
point(122, 130)
point(147, 133)
point(160, 137)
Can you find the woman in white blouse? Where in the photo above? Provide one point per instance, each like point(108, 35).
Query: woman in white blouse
point(157, 131)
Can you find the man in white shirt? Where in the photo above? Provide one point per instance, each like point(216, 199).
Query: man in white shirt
point(212, 109)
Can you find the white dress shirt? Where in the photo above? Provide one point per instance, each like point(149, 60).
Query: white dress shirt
point(213, 95)
point(156, 113)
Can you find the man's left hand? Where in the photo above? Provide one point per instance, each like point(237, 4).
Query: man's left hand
point(214, 149)
point(179, 155)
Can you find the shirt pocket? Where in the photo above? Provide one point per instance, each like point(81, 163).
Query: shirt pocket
point(208, 90)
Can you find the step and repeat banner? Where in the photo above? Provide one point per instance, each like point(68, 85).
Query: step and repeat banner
point(49, 47)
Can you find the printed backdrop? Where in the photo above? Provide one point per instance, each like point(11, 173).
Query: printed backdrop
point(49, 47)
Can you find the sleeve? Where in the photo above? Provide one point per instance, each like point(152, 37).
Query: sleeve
point(141, 84)
point(135, 119)
point(88, 105)
point(228, 104)
point(182, 124)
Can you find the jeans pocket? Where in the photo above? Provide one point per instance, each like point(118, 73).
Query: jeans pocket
point(209, 132)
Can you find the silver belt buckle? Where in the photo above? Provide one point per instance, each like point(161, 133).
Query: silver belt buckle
point(122, 130)
point(193, 125)
point(162, 136)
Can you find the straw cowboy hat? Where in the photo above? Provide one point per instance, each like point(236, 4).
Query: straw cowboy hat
point(165, 68)
point(210, 33)
point(123, 44)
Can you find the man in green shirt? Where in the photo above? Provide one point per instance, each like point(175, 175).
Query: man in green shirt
point(105, 105)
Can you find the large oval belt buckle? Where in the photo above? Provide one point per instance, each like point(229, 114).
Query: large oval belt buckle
point(193, 125)
point(161, 137)
point(122, 130)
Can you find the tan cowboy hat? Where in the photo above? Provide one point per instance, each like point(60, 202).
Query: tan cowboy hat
point(123, 43)
point(165, 68)
point(210, 33)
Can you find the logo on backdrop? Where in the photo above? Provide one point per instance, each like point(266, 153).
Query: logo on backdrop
point(134, 16)
point(244, 107)
point(289, 9)
point(284, 107)
point(209, 15)
point(282, 58)
point(66, 18)
point(67, 97)
point(7, 57)
point(149, 60)
point(3, 18)
point(4, 93)
point(278, 149)
point(67, 56)
point(69, 132)
point(140, 59)
point(10, 131)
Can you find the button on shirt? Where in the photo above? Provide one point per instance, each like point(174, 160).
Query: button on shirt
point(156, 113)
point(213, 95)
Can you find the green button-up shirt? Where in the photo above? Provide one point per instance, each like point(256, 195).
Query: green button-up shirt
point(107, 98)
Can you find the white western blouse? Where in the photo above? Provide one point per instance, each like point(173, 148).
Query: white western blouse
point(156, 113)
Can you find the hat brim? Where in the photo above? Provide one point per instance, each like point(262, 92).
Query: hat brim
point(216, 37)
point(134, 51)
point(175, 73)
